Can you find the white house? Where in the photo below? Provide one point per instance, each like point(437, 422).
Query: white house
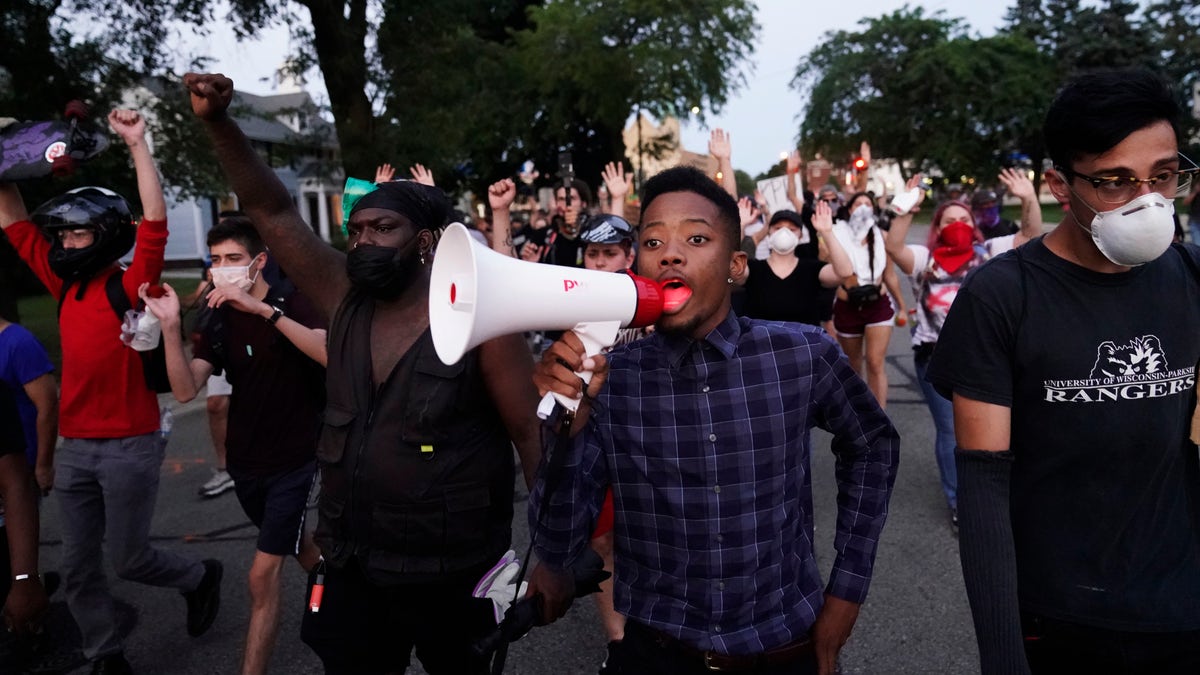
point(295, 140)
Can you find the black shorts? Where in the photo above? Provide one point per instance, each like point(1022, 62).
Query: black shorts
point(276, 504)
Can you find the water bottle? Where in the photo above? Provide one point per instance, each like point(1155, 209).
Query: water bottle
point(147, 333)
point(166, 420)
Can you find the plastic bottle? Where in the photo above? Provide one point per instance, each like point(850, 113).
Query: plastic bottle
point(166, 420)
point(148, 332)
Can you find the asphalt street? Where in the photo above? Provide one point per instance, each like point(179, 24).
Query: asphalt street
point(916, 619)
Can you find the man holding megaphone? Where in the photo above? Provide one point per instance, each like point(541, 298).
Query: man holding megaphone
point(703, 432)
point(416, 458)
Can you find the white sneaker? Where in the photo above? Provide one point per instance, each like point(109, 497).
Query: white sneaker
point(220, 482)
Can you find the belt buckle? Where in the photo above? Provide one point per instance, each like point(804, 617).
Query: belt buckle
point(710, 665)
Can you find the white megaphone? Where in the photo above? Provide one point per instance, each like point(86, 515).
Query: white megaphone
point(476, 294)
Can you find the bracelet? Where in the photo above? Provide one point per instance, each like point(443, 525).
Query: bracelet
point(23, 577)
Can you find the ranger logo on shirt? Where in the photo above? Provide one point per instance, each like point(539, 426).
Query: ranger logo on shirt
point(1131, 371)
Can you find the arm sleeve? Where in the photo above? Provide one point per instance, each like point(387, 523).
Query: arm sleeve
point(148, 252)
point(35, 251)
point(564, 527)
point(867, 447)
point(989, 559)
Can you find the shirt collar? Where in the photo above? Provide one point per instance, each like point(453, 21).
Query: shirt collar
point(724, 338)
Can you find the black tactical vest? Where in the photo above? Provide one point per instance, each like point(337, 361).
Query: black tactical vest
point(416, 477)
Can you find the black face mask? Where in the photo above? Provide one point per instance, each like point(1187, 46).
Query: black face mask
point(380, 271)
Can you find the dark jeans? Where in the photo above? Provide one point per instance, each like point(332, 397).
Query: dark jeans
point(1054, 646)
point(365, 629)
point(643, 652)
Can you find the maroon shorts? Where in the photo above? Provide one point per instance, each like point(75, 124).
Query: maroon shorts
point(849, 321)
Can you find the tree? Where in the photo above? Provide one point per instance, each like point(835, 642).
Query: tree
point(857, 87)
point(924, 90)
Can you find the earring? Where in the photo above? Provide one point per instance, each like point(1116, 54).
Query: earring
point(729, 280)
point(421, 256)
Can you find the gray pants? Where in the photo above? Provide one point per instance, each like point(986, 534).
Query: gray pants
point(110, 486)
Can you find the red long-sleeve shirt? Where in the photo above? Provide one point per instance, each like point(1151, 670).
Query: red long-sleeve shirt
point(104, 393)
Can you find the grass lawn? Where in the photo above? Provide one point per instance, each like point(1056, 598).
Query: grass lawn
point(39, 314)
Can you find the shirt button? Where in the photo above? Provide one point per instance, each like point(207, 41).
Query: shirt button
point(720, 585)
point(717, 628)
point(712, 437)
point(717, 489)
point(705, 389)
point(720, 538)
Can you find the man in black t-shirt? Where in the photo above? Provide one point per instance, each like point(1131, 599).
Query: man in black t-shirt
point(271, 345)
point(1071, 365)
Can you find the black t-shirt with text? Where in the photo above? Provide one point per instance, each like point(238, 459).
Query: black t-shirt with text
point(1099, 373)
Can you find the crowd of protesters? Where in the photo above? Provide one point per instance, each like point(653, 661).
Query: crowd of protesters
point(1058, 369)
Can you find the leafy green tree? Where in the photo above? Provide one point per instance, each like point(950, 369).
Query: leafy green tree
point(858, 89)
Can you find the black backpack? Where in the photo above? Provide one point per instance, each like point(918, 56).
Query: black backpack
point(154, 362)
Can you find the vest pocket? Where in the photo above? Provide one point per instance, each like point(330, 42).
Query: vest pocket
point(433, 397)
point(430, 535)
point(334, 433)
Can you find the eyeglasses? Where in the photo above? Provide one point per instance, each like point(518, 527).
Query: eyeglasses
point(1121, 189)
point(76, 236)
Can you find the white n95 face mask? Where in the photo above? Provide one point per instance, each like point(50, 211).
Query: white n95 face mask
point(228, 275)
point(861, 220)
point(783, 241)
point(1136, 233)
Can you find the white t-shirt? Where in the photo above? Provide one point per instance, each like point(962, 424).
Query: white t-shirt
point(860, 256)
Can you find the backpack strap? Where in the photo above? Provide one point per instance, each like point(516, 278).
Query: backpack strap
point(115, 291)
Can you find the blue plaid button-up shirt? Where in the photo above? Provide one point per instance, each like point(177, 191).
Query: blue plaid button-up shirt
point(706, 446)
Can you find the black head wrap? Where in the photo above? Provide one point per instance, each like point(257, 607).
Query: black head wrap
point(426, 206)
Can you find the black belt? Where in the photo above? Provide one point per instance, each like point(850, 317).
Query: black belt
point(718, 662)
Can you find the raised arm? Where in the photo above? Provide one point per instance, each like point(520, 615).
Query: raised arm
point(310, 341)
point(186, 377)
point(894, 241)
point(1021, 187)
point(422, 175)
point(793, 176)
point(618, 185)
point(721, 148)
point(131, 127)
point(384, 173)
point(500, 197)
point(317, 269)
point(840, 265)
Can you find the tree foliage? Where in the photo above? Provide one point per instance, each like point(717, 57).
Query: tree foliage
point(924, 89)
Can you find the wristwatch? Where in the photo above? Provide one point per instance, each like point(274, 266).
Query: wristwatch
point(275, 314)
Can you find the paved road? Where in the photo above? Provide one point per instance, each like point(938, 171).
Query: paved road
point(915, 621)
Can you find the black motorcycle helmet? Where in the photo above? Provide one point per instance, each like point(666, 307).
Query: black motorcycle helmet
point(100, 210)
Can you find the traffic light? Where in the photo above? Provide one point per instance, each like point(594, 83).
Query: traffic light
point(860, 164)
